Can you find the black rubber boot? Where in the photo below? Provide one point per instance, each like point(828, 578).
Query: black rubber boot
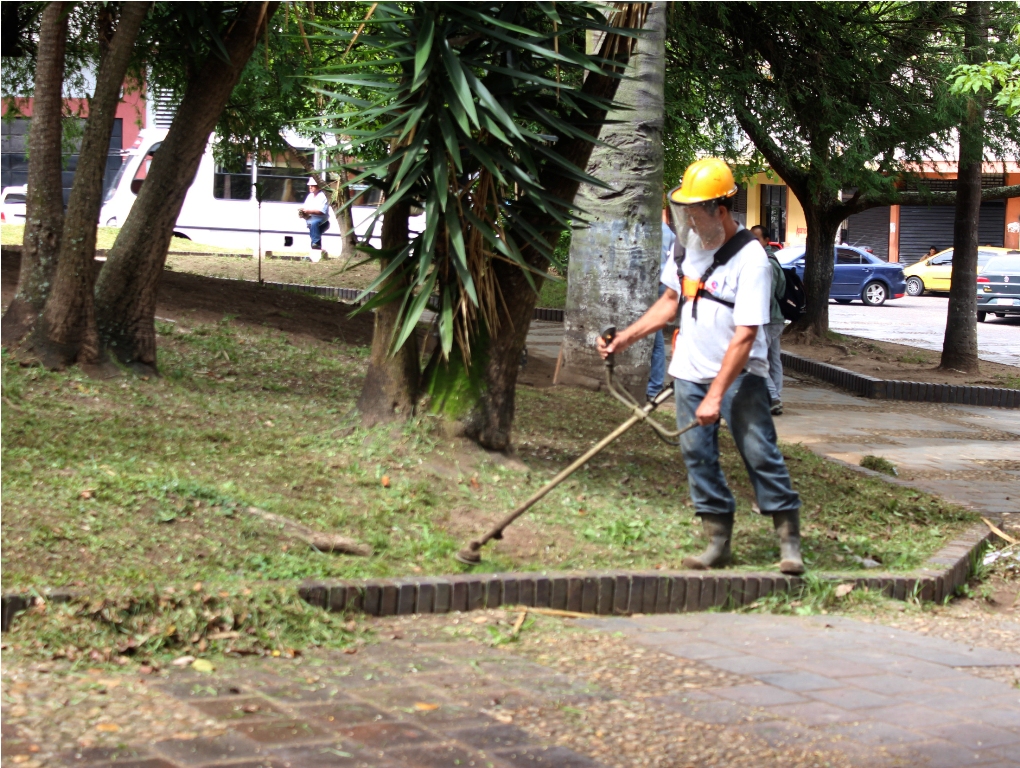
point(719, 529)
point(788, 527)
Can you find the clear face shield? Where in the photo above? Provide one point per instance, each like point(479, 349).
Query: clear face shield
point(698, 225)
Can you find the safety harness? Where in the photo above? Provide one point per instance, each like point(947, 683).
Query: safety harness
point(693, 289)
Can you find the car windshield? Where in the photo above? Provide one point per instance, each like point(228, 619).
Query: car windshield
point(985, 256)
point(13, 198)
point(1003, 265)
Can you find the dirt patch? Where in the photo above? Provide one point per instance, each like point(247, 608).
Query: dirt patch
point(187, 298)
point(900, 362)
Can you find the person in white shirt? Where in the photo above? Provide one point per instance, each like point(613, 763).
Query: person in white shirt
point(720, 361)
point(315, 212)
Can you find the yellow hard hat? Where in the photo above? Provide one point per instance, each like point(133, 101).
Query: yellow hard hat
point(706, 179)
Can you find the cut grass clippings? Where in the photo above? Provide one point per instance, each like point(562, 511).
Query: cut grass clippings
point(125, 488)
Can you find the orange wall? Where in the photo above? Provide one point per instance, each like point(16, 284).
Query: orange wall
point(1012, 214)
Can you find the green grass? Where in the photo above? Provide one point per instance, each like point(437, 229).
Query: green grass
point(137, 490)
point(14, 234)
point(553, 294)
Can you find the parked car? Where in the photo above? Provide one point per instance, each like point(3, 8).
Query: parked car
point(935, 272)
point(999, 287)
point(12, 205)
point(857, 275)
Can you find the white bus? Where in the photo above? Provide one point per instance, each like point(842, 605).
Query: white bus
point(221, 208)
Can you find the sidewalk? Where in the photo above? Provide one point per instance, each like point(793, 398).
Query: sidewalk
point(965, 454)
point(722, 690)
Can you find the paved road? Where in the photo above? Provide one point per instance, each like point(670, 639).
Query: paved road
point(920, 321)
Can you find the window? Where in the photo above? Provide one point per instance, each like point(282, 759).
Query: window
point(984, 256)
point(232, 186)
point(943, 260)
point(1009, 265)
point(14, 197)
point(283, 185)
point(773, 212)
point(847, 256)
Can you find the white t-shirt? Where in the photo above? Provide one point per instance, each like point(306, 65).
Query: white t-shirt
point(745, 280)
point(317, 202)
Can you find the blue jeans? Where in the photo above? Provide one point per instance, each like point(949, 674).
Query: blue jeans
point(745, 407)
point(657, 373)
point(773, 333)
point(316, 226)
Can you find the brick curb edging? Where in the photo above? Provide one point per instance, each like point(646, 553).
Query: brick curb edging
point(599, 593)
point(909, 391)
point(623, 592)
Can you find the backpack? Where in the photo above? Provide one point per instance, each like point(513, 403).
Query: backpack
point(793, 305)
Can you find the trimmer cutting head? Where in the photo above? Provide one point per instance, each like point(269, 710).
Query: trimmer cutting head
point(470, 555)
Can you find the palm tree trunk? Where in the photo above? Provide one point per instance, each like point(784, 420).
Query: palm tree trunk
point(66, 332)
point(484, 392)
point(391, 385)
point(44, 218)
point(613, 272)
point(959, 347)
point(126, 290)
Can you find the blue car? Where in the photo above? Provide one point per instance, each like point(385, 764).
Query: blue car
point(857, 275)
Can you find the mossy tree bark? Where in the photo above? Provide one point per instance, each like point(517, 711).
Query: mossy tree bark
point(44, 218)
point(614, 262)
point(126, 290)
point(959, 346)
point(391, 385)
point(66, 332)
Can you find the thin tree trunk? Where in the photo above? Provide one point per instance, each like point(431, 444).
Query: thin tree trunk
point(392, 382)
point(614, 262)
point(959, 347)
point(44, 218)
point(492, 379)
point(66, 332)
point(819, 265)
point(126, 290)
point(345, 218)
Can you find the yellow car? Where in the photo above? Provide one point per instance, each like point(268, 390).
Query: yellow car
point(935, 272)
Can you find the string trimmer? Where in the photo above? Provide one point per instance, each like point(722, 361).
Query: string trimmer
point(471, 554)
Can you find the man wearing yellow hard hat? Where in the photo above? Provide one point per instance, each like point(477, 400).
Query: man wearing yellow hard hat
point(722, 288)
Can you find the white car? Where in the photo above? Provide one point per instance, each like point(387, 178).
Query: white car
point(12, 204)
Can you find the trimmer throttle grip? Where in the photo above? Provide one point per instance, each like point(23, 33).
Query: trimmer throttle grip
point(608, 335)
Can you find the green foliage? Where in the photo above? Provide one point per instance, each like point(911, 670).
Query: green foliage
point(878, 464)
point(999, 77)
point(473, 101)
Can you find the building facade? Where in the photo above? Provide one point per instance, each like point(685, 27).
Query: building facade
point(897, 233)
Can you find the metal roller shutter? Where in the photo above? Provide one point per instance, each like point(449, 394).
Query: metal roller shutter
point(923, 226)
point(870, 229)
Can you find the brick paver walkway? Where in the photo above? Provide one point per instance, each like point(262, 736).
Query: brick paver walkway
point(877, 696)
point(850, 686)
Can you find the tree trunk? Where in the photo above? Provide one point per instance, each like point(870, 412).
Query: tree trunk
point(613, 271)
point(391, 385)
point(44, 218)
point(959, 347)
point(126, 290)
point(493, 377)
point(819, 263)
point(66, 332)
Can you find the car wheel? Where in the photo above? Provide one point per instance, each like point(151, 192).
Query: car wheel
point(843, 301)
point(981, 317)
point(874, 294)
point(915, 286)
